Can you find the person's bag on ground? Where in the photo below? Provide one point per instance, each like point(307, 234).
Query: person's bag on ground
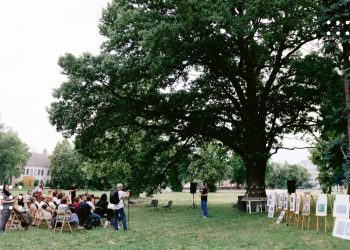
point(114, 197)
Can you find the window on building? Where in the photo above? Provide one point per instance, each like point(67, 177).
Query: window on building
point(27, 171)
point(48, 172)
point(42, 172)
point(31, 171)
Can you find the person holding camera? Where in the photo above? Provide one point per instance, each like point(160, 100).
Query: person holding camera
point(6, 202)
point(117, 199)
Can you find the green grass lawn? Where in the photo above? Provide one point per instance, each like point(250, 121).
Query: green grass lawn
point(184, 228)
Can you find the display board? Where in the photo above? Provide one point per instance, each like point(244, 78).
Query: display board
point(271, 197)
point(297, 203)
point(306, 203)
point(285, 201)
point(341, 206)
point(271, 211)
point(280, 201)
point(279, 219)
point(292, 202)
point(342, 228)
point(321, 205)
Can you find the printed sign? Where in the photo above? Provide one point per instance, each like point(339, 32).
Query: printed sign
point(292, 202)
point(321, 205)
point(285, 201)
point(306, 203)
point(279, 219)
point(342, 228)
point(297, 203)
point(271, 211)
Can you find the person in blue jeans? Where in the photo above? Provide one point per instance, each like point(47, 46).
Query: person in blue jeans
point(204, 200)
point(119, 208)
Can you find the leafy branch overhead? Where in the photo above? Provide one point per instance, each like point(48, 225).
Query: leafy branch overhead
point(231, 71)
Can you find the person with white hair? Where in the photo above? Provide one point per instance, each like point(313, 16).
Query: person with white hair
point(117, 199)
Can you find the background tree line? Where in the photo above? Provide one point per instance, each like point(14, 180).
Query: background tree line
point(210, 163)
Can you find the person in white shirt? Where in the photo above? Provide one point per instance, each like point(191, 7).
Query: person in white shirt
point(46, 209)
point(89, 201)
point(119, 208)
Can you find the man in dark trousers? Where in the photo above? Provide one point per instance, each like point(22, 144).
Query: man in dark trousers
point(204, 200)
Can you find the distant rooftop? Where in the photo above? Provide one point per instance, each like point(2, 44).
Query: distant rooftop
point(38, 159)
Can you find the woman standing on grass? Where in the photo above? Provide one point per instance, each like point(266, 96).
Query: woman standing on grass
point(38, 191)
point(6, 202)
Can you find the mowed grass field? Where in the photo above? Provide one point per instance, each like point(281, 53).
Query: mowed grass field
point(183, 228)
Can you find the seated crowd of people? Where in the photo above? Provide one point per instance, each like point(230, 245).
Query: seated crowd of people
point(81, 210)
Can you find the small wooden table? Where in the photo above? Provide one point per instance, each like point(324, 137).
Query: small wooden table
point(259, 200)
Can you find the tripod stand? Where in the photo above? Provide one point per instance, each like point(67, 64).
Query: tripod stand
point(193, 204)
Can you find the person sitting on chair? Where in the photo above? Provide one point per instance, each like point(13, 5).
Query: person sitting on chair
point(85, 213)
point(64, 208)
point(102, 203)
point(47, 211)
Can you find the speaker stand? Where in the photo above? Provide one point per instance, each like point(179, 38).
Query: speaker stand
point(193, 204)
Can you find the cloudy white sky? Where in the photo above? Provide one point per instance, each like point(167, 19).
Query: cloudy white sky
point(33, 35)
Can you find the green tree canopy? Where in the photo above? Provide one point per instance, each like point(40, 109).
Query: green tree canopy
point(209, 163)
point(281, 173)
point(332, 151)
point(13, 154)
point(66, 166)
point(237, 173)
point(197, 70)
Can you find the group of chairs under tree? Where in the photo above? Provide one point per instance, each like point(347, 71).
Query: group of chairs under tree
point(61, 220)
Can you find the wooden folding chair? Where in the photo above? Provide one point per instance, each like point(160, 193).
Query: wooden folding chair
point(63, 220)
point(42, 219)
point(13, 221)
point(36, 218)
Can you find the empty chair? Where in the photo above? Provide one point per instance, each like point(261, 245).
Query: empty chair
point(154, 205)
point(168, 206)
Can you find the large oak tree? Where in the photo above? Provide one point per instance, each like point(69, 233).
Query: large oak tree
point(231, 71)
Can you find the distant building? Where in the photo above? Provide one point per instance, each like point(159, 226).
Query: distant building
point(37, 167)
point(313, 171)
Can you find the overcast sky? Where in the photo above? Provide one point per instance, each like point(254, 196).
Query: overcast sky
point(33, 35)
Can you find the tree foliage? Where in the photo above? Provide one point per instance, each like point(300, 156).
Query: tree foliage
point(237, 173)
point(209, 164)
point(281, 173)
point(141, 160)
point(66, 166)
point(13, 154)
point(332, 150)
point(191, 71)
